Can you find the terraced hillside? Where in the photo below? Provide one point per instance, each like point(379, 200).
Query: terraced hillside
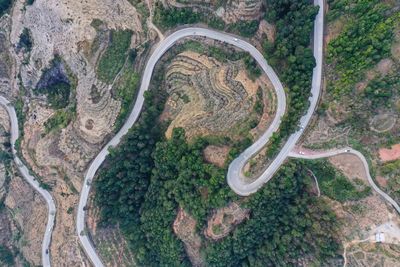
point(228, 10)
point(207, 97)
point(68, 99)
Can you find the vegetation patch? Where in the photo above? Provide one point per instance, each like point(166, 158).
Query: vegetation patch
point(171, 17)
point(125, 90)
point(4, 6)
point(335, 185)
point(366, 39)
point(55, 84)
point(113, 59)
point(60, 119)
point(25, 40)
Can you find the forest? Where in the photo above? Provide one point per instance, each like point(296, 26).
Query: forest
point(147, 178)
point(171, 17)
point(366, 39)
point(292, 57)
point(4, 6)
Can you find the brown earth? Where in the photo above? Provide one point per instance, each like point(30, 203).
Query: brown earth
point(389, 154)
point(223, 221)
point(61, 157)
point(216, 154)
point(185, 228)
point(207, 97)
point(350, 165)
point(24, 218)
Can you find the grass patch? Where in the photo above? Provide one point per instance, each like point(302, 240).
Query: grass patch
point(125, 91)
point(115, 55)
point(60, 119)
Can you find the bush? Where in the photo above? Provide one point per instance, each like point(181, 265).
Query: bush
point(4, 6)
point(6, 256)
point(113, 59)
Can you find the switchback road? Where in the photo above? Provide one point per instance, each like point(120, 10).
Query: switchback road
point(159, 51)
point(235, 177)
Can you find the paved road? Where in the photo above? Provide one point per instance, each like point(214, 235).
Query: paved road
point(331, 153)
point(236, 179)
point(32, 181)
point(159, 51)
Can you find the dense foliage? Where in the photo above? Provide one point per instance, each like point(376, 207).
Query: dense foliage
point(25, 40)
point(114, 57)
point(335, 185)
point(125, 90)
point(291, 55)
point(60, 119)
point(4, 5)
point(380, 91)
point(286, 223)
point(6, 256)
point(366, 38)
point(171, 17)
point(147, 178)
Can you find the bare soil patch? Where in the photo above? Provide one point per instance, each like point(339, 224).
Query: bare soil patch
point(185, 228)
point(350, 165)
point(223, 221)
point(389, 154)
point(216, 154)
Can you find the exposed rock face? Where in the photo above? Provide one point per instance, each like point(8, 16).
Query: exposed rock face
point(55, 74)
point(30, 215)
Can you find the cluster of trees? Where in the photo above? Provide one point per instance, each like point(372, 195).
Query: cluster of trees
point(147, 178)
point(379, 91)
point(56, 83)
point(366, 39)
point(291, 55)
point(286, 222)
point(114, 57)
point(334, 184)
point(6, 256)
point(125, 90)
point(171, 17)
point(4, 6)
point(60, 119)
point(25, 40)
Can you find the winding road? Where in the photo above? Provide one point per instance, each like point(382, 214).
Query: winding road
point(326, 154)
point(32, 181)
point(235, 177)
point(159, 51)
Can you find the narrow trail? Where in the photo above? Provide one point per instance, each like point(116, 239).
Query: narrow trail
point(25, 172)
